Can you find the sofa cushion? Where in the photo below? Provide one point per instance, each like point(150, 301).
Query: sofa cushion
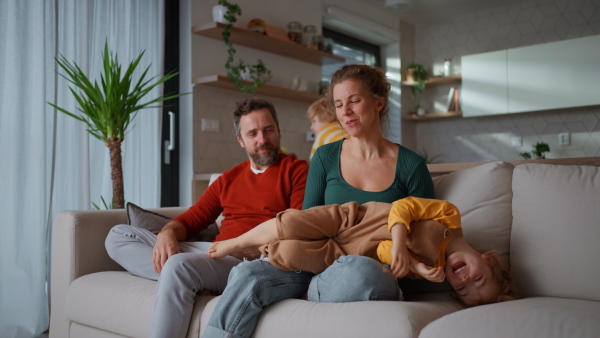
point(556, 227)
point(118, 302)
point(292, 318)
point(146, 219)
point(532, 317)
point(154, 222)
point(483, 194)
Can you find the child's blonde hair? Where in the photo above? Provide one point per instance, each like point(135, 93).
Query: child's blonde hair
point(322, 109)
point(508, 289)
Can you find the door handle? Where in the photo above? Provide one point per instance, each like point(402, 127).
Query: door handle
point(170, 143)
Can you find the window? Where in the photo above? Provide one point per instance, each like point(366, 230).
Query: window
point(355, 51)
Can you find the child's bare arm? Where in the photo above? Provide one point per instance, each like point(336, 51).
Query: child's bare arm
point(435, 274)
point(400, 258)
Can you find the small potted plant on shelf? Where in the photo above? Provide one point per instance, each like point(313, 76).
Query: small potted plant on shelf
point(417, 74)
point(538, 151)
point(258, 74)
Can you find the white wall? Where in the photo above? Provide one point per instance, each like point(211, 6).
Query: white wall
point(489, 138)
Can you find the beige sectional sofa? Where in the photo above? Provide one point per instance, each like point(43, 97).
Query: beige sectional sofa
point(543, 219)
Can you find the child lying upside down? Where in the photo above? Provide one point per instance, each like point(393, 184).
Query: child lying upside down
point(426, 241)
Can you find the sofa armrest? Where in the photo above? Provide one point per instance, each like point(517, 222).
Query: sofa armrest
point(78, 250)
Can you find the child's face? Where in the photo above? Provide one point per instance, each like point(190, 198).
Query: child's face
point(316, 125)
point(471, 277)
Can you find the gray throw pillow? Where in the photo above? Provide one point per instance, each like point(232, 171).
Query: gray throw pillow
point(145, 219)
point(154, 222)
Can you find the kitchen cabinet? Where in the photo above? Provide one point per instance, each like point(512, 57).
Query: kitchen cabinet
point(560, 74)
point(485, 84)
point(556, 75)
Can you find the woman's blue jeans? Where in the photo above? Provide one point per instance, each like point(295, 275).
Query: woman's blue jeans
point(253, 285)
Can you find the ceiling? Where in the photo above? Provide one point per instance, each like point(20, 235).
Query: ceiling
point(424, 11)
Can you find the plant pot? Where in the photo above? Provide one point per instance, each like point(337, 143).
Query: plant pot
point(218, 13)
point(245, 75)
point(410, 77)
point(420, 111)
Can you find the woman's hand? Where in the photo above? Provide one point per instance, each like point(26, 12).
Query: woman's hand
point(400, 259)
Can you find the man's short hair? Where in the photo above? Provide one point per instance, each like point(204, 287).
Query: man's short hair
point(249, 105)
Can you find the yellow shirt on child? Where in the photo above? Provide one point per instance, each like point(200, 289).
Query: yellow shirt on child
point(410, 209)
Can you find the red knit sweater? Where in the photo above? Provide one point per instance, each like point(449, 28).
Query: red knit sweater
point(247, 199)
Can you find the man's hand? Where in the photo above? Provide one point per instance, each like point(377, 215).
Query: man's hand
point(167, 244)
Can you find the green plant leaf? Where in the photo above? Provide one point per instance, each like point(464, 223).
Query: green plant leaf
point(234, 72)
point(109, 107)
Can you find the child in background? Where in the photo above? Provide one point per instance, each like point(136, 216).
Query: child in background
point(324, 123)
point(426, 241)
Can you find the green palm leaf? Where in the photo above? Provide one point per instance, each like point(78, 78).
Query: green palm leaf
point(109, 107)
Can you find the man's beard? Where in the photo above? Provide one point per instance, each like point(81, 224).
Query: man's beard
point(267, 158)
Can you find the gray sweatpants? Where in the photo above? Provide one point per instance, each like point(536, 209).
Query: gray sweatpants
point(183, 275)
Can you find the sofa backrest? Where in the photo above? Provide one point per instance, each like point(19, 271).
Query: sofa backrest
point(483, 194)
point(554, 246)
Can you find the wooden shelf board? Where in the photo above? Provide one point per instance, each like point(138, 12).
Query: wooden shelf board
point(224, 82)
point(437, 81)
point(433, 116)
point(255, 40)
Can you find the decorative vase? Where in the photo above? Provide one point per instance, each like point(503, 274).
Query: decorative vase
point(218, 13)
point(410, 75)
point(448, 67)
point(245, 74)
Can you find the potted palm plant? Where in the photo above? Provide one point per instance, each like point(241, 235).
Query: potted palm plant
point(109, 107)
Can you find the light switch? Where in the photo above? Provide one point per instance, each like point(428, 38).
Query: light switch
point(210, 125)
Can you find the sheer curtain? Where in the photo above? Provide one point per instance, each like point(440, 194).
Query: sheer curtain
point(48, 161)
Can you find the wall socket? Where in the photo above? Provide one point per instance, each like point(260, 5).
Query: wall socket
point(310, 136)
point(564, 139)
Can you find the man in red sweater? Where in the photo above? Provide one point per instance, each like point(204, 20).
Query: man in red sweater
point(247, 195)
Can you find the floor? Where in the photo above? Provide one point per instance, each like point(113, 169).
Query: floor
point(43, 335)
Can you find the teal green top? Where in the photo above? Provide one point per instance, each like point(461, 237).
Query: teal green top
point(326, 186)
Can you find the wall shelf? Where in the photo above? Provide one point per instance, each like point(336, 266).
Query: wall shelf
point(432, 116)
point(255, 40)
point(437, 81)
point(224, 82)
